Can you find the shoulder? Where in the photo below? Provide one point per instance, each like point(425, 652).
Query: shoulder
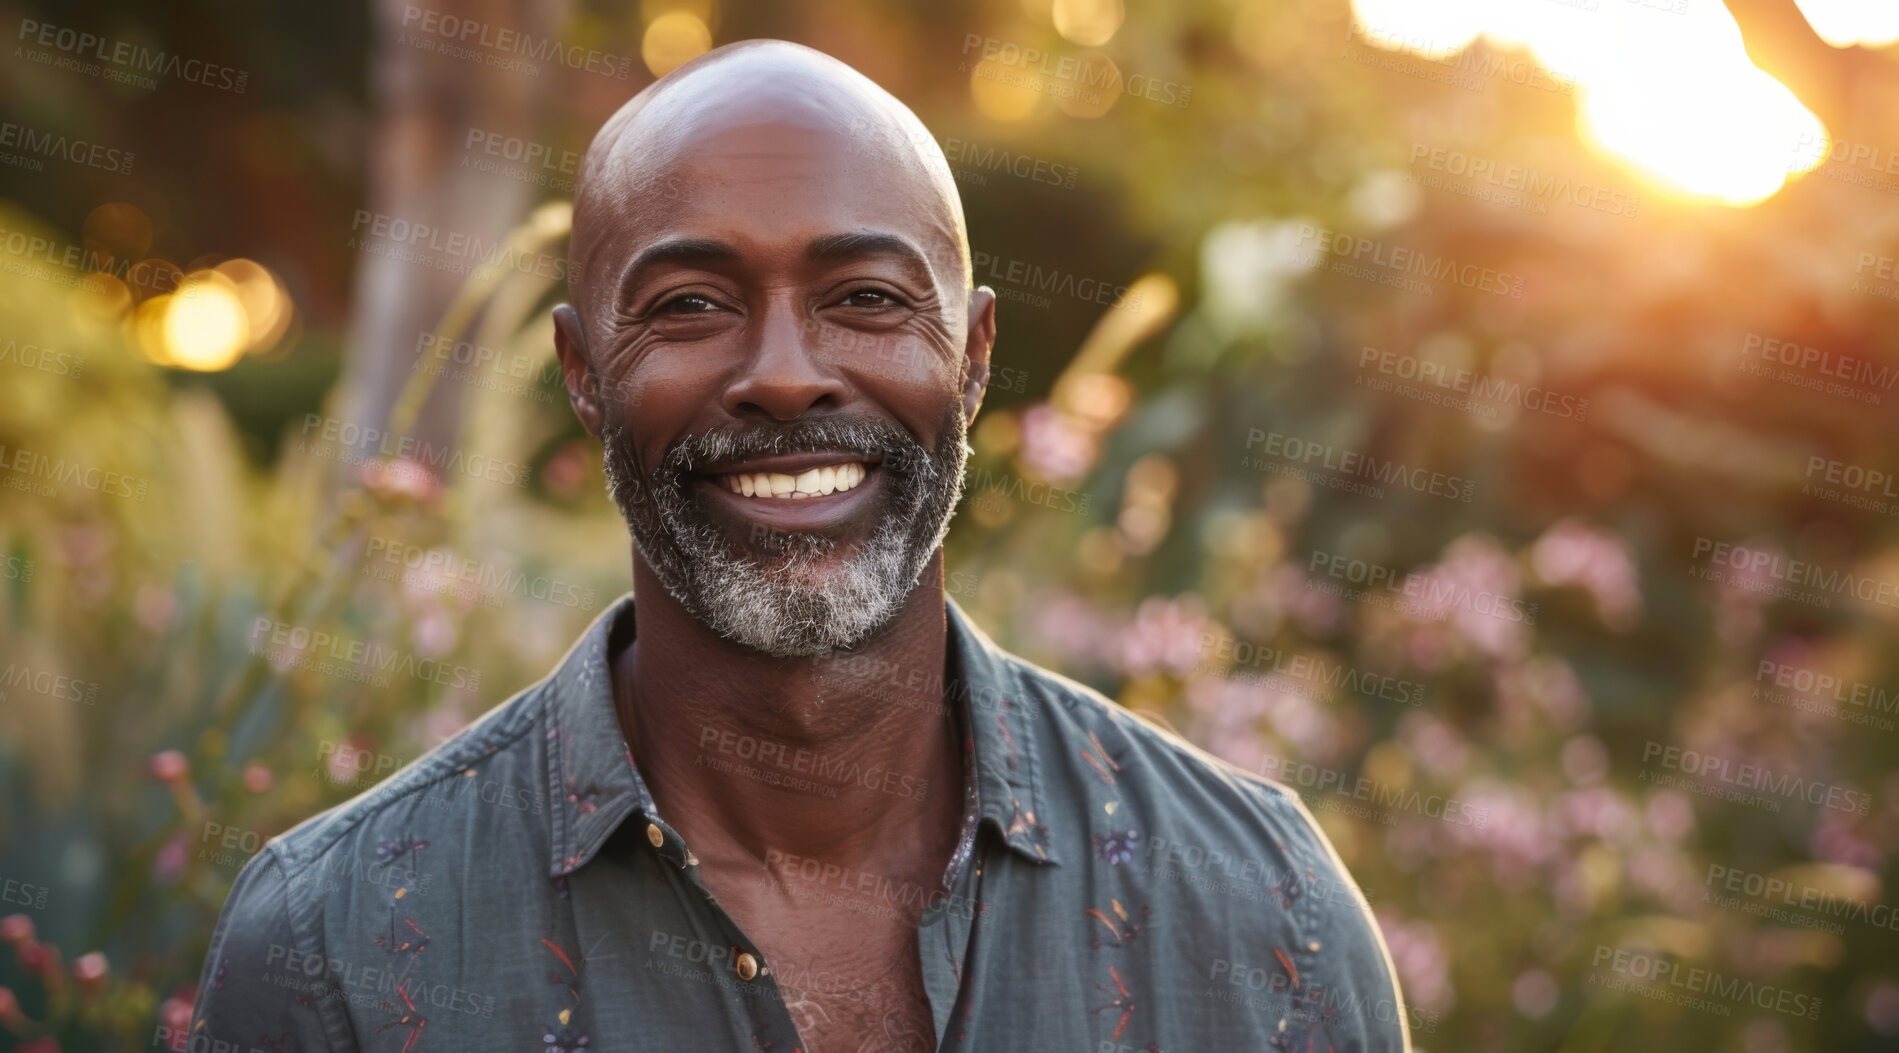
point(500, 745)
point(1235, 851)
point(369, 849)
point(1102, 736)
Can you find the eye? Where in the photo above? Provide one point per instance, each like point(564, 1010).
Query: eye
point(690, 303)
point(869, 298)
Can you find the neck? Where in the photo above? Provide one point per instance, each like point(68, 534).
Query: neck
point(851, 758)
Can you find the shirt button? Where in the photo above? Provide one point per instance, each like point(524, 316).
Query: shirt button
point(652, 834)
point(747, 965)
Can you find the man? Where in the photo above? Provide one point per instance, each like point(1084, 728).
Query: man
point(801, 803)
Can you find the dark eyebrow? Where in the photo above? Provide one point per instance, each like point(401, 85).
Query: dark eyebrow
point(858, 244)
point(686, 252)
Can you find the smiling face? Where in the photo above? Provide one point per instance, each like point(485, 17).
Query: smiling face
point(776, 343)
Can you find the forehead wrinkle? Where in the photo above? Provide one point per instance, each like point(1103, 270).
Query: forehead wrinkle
point(743, 84)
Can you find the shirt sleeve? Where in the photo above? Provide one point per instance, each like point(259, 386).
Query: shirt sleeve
point(1359, 1003)
point(260, 989)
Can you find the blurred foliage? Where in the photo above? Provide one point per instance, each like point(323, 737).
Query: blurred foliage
point(1127, 522)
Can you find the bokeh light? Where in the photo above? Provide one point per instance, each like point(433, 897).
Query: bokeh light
point(1668, 91)
point(1845, 23)
point(674, 39)
point(1002, 92)
point(1090, 23)
point(204, 326)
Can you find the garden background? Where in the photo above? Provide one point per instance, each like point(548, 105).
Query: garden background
point(1477, 415)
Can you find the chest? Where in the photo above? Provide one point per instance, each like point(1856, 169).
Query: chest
point(852, 980)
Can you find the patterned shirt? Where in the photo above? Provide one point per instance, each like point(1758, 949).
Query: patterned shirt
point(1117, 890)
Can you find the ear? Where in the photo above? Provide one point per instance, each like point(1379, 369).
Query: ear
point(982, 336)
point(583, 388)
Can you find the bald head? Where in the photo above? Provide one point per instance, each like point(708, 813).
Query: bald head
point(801, 118)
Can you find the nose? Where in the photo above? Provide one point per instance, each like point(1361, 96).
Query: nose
point(783, 376)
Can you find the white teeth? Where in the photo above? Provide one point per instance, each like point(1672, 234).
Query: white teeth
point(814, 482)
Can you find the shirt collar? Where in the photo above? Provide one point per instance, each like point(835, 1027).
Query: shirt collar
point(593, 784)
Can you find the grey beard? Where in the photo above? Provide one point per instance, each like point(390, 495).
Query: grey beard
point(775, 599)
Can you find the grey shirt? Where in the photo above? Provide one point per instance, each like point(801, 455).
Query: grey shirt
point(1115, 890)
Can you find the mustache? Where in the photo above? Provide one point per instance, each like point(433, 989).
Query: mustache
point(866, 438)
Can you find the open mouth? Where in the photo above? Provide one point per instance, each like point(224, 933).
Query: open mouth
point(817, 481)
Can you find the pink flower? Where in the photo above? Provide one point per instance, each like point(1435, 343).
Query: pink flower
point(1423, 968)
point(1055, 446)
point(16, 928)
point(170, 862)
point(1571, 552)
point(1165, 636)
point(403, 477)
point(1474, 588)
point(169, 766)
point(257, 779)
point(89, 970)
